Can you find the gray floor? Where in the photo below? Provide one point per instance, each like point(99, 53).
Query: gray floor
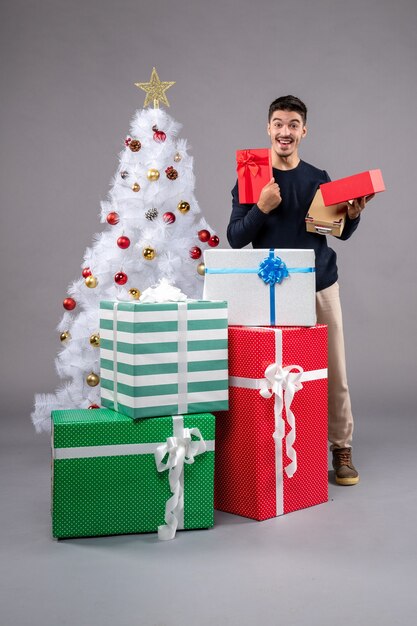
point(351, 561)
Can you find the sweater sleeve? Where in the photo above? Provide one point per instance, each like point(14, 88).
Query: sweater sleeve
point(350, 227)
point(245, 222)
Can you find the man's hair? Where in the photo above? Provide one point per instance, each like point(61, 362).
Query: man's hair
point(288, 103)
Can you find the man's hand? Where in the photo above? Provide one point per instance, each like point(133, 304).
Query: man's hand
point(357, 206)
point(270, 197)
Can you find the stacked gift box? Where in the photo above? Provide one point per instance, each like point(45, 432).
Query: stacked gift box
point(145, 462)
point(271, 444)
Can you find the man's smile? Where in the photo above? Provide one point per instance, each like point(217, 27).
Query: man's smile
point(284, 141)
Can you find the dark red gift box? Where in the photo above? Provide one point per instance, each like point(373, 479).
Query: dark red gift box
point(270, 462)
point(254, 171)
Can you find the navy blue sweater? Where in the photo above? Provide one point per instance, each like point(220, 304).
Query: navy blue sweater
point(285, 226)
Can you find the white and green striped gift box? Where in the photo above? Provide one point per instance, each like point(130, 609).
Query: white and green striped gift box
point(164, 359)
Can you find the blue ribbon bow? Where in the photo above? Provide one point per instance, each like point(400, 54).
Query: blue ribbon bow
point(272, 270)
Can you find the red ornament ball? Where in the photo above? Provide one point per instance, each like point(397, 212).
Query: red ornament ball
point(158, 135)
point(168, 217)
point(195, 252)
point(86, 272)
point(94, 406)
point(69, 304)
point(120, 278)
point(203, 235)
point(113, 218)
point(213, 241)
point(123, 242)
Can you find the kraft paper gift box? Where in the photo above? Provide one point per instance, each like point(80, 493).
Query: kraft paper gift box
point(326, 220)
point(271, 445)
point(263, 287)
point(112, 475)
point(254, 171)
point(351, 187)
point(163, 359)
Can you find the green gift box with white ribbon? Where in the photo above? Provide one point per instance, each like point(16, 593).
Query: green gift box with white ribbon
point(112, 475)
point(163, 358)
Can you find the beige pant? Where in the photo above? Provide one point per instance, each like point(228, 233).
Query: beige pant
point(329, 312)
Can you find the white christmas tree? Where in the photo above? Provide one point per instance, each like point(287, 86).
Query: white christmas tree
point(155, 229)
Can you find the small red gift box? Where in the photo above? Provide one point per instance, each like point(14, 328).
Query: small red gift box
point(271, 445)
point(351, 187)
point(254, 171)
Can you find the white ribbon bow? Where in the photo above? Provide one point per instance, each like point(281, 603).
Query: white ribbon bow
point(162, 292)
point(278, 380)
point(180, 449)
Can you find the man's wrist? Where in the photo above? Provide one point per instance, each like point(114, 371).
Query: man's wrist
point(353, 216)
point(262, 208)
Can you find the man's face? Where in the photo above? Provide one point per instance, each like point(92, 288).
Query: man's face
point(286, 129)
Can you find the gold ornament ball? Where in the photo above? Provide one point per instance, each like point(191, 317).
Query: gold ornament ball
point(65, 336)
point(91, 281)
point(95, 340)
point(92, 379)
point(177, 157)
point(183, 206)
point(201, 269)
point(148, 253)
point(135, 293)
point(152, 174)
point(135, 187)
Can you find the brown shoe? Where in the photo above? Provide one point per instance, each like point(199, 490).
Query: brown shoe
point(344, 470)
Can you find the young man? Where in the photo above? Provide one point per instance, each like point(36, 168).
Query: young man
point(277, 220)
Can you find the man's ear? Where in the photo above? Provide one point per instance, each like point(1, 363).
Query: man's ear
point(268, 129)
point(304, 131)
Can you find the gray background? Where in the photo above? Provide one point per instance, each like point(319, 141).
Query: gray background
point(67, 74)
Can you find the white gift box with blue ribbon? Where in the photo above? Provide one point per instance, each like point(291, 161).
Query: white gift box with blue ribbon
point(263, 287)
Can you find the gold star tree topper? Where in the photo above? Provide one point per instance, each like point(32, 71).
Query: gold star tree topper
point(155, 90)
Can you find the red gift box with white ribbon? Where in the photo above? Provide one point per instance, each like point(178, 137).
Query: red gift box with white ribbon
point(271, 445)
